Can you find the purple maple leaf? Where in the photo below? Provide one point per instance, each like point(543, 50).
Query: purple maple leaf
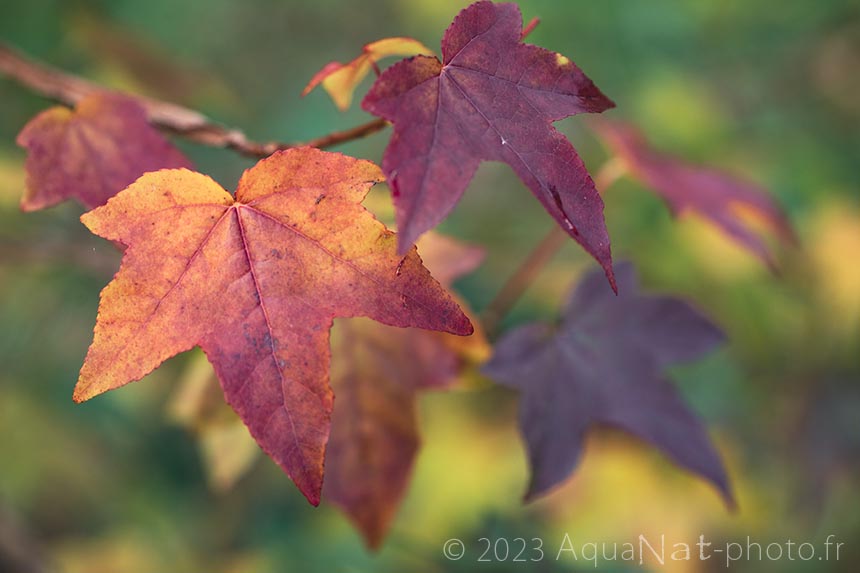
point(604, 365)
point(491, 98)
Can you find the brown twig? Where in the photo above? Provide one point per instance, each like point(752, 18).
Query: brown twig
point(530, 268)
point(69, 89)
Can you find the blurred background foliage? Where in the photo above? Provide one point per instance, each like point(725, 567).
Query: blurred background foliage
point(767, 88)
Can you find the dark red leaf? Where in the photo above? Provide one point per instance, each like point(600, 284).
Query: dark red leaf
point(492, 98)
point(377, 374)
point(91, 153)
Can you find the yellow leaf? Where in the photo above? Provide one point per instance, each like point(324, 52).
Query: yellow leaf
point(340, 80)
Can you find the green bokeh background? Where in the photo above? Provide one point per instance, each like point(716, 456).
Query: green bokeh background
point(768, 88)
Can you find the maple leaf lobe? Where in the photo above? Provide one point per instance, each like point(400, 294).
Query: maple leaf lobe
point(491, 98)
point(92, 152)
point(604, 365)
point(255, 281)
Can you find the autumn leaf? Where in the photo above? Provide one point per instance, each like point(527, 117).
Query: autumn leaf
point(605, 365)
point(374, 437)
point(340, 80)
point(92, 153)
point(377, 373)
point(721, 198)
point(491, 98)
point(255, 281)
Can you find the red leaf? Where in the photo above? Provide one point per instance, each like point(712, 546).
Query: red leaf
point(492, 98)
point(716, 195)
point(604, 365)
point(92, 153)
point(377, 373)
point(255, 281)
point(376, 376)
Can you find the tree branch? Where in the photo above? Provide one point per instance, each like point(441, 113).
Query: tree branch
point(530, 268)
point(190, 124)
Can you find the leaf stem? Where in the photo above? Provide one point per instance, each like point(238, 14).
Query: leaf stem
point(529, 27)
point(526, 273)
point(190, 124)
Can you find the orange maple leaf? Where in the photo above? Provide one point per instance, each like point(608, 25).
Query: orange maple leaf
point(377, 374)
point(256, 281)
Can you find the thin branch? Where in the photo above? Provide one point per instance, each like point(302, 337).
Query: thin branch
point(338, 137)
point(537, 259)
point(190, 124)
point(522, 278)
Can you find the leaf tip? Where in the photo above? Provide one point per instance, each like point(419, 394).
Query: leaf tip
point(724, 488)
point(310, 484)
point(373, 538)
point(312, 490)
point(536, 490)
point(464, 326)
point(28, 205)
point(321, 75)
point(730, 501)
point(403, 245)
point(610, 276)
point(88, 219)
point(80, 395)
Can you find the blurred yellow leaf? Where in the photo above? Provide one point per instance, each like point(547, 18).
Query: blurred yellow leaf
point(722, 256)
point(834, 248)
point(227, 448)
point(11, 181)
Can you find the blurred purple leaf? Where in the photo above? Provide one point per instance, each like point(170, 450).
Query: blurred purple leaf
point(714, 194)
point(605, 365)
